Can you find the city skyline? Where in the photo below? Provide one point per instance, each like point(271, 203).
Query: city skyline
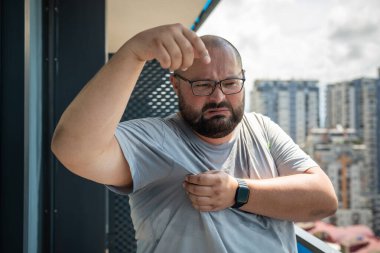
point(329, 41)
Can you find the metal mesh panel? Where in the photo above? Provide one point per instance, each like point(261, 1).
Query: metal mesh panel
point(153, 96)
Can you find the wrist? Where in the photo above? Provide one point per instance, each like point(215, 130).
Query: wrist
point(242, 193)
point(128, 52)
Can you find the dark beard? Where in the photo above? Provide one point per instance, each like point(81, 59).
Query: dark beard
point(215, 127)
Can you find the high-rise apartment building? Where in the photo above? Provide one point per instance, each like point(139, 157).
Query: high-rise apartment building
point(338, 153)
point(293, 104)
point(356, 104)
point(344, 104)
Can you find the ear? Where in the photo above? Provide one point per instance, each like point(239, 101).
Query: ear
point(175, 83)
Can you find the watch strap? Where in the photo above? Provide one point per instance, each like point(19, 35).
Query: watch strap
point(243, 186)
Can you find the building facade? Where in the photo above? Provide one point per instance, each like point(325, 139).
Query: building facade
point(337, 151)
point(344, 104)
point(356, 104)
point(293, 104)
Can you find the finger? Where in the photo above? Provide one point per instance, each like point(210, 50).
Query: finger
point(187, 52)
point(175, 53)
point(198, 189)
point(200, 50)
point(200, 201)
point(163, 57)
point(200, 179)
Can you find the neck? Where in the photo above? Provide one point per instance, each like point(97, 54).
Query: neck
point(217, 141)
point(213, 141)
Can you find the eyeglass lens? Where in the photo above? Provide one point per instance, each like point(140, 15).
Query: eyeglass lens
point(229, 86)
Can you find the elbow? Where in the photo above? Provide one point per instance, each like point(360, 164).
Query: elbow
point(64, 152)
point(332, 206)
point(328, 211)
point(325, 209)
point(331, 202)
point(327, 201)
point(56, 144)
point(60, 148)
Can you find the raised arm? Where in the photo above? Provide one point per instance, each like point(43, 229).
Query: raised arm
point(84, 138)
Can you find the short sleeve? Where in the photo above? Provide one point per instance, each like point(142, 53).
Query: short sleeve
point(141, 143)
point(288, 156)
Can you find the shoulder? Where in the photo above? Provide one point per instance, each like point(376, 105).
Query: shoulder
point(141, 123)
point(145, 129)
point(150, 122)
point(257, 119)
point(261, 125)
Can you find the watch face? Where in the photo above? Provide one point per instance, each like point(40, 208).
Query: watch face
point(243, 195)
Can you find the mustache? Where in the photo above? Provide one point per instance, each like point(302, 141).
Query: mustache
point(215, 106)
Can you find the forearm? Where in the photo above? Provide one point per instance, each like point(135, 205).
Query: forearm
point(87, 126)
point(301, 197)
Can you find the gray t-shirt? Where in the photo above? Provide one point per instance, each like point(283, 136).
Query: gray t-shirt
point(161, 152)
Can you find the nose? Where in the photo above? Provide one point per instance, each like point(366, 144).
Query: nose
point(217, 95)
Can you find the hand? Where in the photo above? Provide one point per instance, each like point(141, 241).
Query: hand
point(174, 46)
point(211, 191)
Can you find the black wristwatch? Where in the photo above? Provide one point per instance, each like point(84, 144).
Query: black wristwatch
point(242, 194)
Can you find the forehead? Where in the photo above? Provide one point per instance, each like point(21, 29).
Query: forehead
point(223, 64)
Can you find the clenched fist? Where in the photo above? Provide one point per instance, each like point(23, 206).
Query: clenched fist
point(211, 191)
point(174, 46)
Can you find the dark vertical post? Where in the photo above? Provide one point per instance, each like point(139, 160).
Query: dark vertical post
point(75, 51)
point(11, 125)
point(50, 31)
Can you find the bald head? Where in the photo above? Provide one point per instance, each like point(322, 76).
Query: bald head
point(213, 41)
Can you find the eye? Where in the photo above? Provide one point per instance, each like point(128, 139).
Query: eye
point(202, 85)
point(231, 83)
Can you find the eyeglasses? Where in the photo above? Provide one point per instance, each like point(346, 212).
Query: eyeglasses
point(228, 86)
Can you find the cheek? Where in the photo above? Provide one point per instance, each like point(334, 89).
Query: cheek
point(196, 103)
point(191, 101)
point(236, 100)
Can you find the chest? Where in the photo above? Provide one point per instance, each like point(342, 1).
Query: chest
point(247, 157)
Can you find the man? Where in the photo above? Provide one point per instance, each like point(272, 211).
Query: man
point(208, 179)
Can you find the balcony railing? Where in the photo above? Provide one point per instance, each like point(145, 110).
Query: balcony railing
point(307, 243)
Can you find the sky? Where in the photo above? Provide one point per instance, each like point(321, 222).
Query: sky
point(325, 40)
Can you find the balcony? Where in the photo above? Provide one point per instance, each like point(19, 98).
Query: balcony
point(307, 243)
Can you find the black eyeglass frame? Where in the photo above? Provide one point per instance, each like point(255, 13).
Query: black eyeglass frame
point(215, 83)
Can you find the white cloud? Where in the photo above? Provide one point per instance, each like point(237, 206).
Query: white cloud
point(328, 40)
point(354, 38)
point(325, 40)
